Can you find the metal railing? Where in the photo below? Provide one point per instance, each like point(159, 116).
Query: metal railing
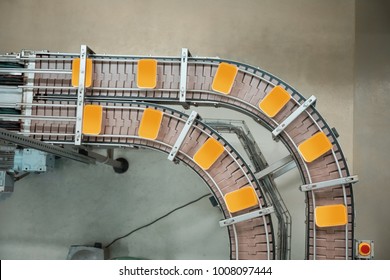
point(271, 193)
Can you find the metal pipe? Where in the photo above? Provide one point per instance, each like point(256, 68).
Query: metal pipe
point(105, 159)
point(18, 104)
point(21, 117)
point(251, 148)
point(41, 71)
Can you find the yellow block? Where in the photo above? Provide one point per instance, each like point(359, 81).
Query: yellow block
point(224, 78)
point(314, 147)
point(92, 119)
point(208, 153)
point(147, 73)
point(76, 72)
point(150, 123)
point(331, 215)
point(274, 101)
point(241, 199)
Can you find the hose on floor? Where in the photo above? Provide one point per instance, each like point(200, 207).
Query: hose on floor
point(158, 219)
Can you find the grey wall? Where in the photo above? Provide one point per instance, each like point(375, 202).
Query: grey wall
point(372, 123)
point(307, 43)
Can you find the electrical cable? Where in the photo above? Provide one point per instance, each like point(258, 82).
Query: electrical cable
point(151, 223)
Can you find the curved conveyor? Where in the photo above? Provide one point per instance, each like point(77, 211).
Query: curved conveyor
point(251, 239)
point(114, 83)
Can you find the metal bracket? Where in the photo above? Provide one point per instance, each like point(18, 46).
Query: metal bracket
point(84, 51)
point(284, 169)
point(330, 183)
point(28, 93)
point(273, 167)
point(182, 135)
point(26, 53)
point(247, 216)
point(293, 116)
point(183, 74)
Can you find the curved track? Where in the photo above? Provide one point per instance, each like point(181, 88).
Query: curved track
point(230, 172)
point(114, 85)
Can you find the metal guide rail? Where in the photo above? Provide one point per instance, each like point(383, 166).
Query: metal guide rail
point(123, 126)
point(259, 163)
point(115, 81)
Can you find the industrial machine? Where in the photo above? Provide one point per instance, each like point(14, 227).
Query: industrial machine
point(68, 104)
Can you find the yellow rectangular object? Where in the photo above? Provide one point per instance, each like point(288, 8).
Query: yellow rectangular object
point(150, 123)
point(331, 215)
point(76, 72)
point(224, 78)
point(274, 101)
point(92, 119)
point(147, 73)
point(241, 199)
point(314, 147)
point(210, 151)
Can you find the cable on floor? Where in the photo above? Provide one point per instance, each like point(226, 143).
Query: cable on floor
point(158, 219)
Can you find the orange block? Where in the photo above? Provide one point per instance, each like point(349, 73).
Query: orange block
point(76, 72)
point(314, 147)
point(331, 215)
point(241, 199)
point(92, 119)
point(208, 153)
point(275, 100)
point(147, 73)
point(150, 123)
point(224, 78)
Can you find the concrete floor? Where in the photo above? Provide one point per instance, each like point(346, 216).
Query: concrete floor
point(78, 204)
point(309, 44)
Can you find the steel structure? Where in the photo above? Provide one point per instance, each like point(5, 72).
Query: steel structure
point(49, 108)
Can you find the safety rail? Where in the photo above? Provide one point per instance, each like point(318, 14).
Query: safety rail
point(293, 121)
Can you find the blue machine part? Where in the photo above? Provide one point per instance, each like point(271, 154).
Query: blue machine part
point(31, 160)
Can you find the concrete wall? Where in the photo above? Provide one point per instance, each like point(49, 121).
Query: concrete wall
point(371, 123)
point(307, 43)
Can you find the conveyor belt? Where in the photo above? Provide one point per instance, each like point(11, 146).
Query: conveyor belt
point(114, 85)
point(229, 173)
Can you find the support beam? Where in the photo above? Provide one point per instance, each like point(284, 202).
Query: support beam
point(120, 165)
point(84, 51)
point(274, 167)
point(247, 216)
point(330, 183)
point(182, 135)
point(28, 95)
point(284, 169)
point(14, 71)
point(183, 74)
point(293, 116)
point(39, 145)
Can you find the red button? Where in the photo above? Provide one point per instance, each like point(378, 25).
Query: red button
point(364, 249)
